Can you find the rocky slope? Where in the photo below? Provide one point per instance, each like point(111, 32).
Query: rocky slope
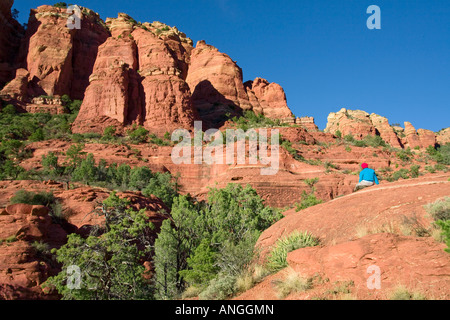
point(26, 229)
point(381, 226)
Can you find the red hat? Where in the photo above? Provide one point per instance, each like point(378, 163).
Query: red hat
point(364, 166)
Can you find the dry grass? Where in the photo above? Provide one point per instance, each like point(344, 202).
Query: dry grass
point(401, 292)
point(292, 283)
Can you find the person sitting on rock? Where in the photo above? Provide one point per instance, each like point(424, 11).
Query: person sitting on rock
point(367, 177)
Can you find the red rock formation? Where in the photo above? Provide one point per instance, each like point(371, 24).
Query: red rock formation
point(348, 122)
point(426, 137)
point(167, 98)
point(113, 87)
point(418, 139)
point(216, 84)
point(384, 207)
point(443, 136)
point(307, 122)
point(59, 60)
point(11, 33)
point(17, 89)
point(143, 79)
point(268, 99)
point(22, 269)
point(347, 270)
point(385, 131)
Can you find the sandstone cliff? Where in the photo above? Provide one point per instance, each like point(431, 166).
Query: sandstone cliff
point(360, 124)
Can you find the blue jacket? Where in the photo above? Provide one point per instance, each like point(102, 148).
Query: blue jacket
point(368, 175)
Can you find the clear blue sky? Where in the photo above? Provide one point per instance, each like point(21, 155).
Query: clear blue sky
point(321, 51)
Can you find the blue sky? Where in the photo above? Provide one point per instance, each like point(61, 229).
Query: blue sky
point(321, 51)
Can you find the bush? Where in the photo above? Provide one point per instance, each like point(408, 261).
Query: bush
point(138, 135)
point(60, 5)
point(308, 200)
point(296, 240)
point(33, 198)
point(402, 173)
point(414, 170)
point(220, 288)
point(109, 133)
point(440, 209)
point(405, 155)
point(9, 109)
point(445, 226)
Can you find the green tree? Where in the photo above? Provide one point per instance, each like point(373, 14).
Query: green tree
point(86, 171)
point(163, 186)
point(177, 239)
point(111, 264)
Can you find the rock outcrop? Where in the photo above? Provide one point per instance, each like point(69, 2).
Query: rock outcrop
point(385, 130)
point(350, 122)
point(59, 60)
point(23, 268)
point(216, 84)
point(11, 33)
point(137, 79)
point(443, 136)
point(268, 99)
point(360, 124)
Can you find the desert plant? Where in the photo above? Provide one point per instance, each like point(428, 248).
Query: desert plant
point(292, 282)
point(440, 209)
point(33, 198)
point(308, 200)
point(403, 293)
point(296, 240)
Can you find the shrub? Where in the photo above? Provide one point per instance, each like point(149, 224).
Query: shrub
point(220, 288)
point(402, 173)
point(60, 5)
point(440, 209)
point(402, 293)
point(308, 200)
point(138, 135)
point(109, 133)
point(38, 135)
point(405, 155)
point(9, 109)
point(33, 198)
point(296, 240)
point(445, 226)
point(338, 134)
point(414, 171)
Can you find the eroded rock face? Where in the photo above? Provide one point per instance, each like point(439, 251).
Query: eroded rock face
point(166, 95)
point(22, 267)
point(443, 136)
point(137, 79)
point(216, 84)
point(11, 33)
point(268, 99)
point(360, 124)
point(350, 122)
point(113, 87)
point(59, 60)
point(385, 131)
